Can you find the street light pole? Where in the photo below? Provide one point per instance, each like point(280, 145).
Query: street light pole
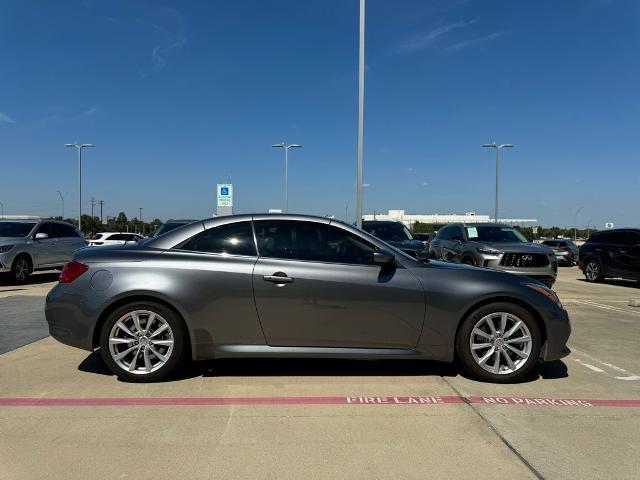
point(359, 186)
point(575, 223)
point(61, 198)
point(498, 148)
point(79, 148)
point(286, 170)
point(2, 207)
point(142, 224)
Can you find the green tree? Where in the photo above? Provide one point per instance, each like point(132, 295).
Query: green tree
point(121, 222)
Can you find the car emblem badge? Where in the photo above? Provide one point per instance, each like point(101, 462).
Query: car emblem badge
point(527, 258)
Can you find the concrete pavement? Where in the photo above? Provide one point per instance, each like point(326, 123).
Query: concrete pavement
point(482, 438)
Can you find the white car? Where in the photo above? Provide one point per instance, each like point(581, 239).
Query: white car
point(113, 238)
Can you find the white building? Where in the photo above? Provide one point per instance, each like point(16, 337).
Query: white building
point(441, 219)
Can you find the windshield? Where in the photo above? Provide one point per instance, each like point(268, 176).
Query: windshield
point(391, 232)
point(15, 229)
point(495, 234)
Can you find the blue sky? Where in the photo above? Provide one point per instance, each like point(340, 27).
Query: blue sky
point(179, 96)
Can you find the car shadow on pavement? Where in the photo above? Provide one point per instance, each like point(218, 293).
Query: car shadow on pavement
point(617, 281)
point(34, 279)
point(315, 367)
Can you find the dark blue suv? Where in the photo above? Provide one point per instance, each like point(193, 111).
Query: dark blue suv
point(611, 253)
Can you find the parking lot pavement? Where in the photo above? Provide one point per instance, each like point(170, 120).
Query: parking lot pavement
point(22, 310)
point(335, 419)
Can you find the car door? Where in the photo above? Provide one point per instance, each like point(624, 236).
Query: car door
point(627, 256)
point(438, 244)
point(46, 251)
point(615, 252)
point(69, 241)
point(458, 239)
point(315, 286)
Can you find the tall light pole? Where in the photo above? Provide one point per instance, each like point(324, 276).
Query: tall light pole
point(575, 223)
point(286, 170)
point(142, 227)
point(359, 187)
point(2, 206)
point(498, 148)
point(79, 147)
point(61, 198)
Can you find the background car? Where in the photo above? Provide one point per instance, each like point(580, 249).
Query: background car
point(565, 250)
point(611, 253)
point(28, 245)
point(495, 246)
point(297, 286)
point(425, 238)
point(113, 238)
point(171, 225)
point(398, 236)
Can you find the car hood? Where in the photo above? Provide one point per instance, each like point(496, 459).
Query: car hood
point(516, 247)
point(11, 240)
point(413, 245)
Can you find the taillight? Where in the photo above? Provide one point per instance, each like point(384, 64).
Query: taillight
point(71, 271)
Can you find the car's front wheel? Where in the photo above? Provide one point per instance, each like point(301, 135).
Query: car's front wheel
point(499, 343)
point(142, 342)
point(21, 269)
point(593, 271)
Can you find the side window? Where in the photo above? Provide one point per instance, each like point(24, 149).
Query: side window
point(457, 233)
point(67, 231)
point(615, 238)
point(311, 241)
point(633, 238)
point(50, 229)
point(445, 233)
point(233, 238)
point(117, 236)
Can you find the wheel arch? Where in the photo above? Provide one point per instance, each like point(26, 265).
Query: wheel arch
point(95, 336)
point(504, 299)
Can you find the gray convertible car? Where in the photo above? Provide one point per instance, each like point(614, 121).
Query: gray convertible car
point(297, 286)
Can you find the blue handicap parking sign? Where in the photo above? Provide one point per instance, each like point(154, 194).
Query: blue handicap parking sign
point(224, 191)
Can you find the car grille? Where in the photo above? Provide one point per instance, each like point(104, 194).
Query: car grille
point(524, 260)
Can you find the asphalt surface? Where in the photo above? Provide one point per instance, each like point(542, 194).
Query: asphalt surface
point(65, 416)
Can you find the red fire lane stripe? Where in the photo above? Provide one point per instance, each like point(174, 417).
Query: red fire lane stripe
point(356, 400)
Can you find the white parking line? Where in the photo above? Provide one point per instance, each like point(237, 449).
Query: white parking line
point(607, 307)
point(629, 376)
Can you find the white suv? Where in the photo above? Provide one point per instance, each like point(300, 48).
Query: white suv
point(28, 245)
point(113, 238)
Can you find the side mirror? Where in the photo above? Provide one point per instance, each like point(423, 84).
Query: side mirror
point(383, 258)
point(41, 236)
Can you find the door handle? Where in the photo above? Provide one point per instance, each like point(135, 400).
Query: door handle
point(622, 251)
point(598, 249)
point(278, 277)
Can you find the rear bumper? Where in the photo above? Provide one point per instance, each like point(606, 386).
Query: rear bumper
point(68, 322)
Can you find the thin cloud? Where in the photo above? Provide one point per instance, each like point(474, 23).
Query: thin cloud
point(160, 52)
point(6, 118)
point(474, 41)
point(425, 39)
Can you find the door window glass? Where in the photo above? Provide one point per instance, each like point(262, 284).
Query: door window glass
point(50, 229)
point(233, 238)
point(311, 241)
point(615, 238)
point(633, 238)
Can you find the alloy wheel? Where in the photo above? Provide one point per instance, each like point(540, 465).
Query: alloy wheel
point(141, 342)
point(592, 271)
point(21, 269)
point(500, 343)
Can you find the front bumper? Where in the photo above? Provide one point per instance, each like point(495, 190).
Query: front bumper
point(558, 328)
point(6, 260)
point(562, 256)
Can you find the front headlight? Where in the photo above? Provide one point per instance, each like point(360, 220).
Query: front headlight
point(547, 292)
point(5, 248)
point(487, 251)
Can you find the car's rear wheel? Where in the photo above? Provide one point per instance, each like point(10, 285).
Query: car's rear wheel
point(499, 343)
point(593, 271)
point(21, 269)
point(142, 342)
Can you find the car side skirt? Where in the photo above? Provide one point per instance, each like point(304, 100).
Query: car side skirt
point(226, 351)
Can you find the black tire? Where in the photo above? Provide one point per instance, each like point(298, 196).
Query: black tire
point(21, 268)
point(471, 366)
point(593, 271)
point(177, 330)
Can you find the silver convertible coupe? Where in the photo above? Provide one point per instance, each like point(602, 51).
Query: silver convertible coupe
point(297, 286)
